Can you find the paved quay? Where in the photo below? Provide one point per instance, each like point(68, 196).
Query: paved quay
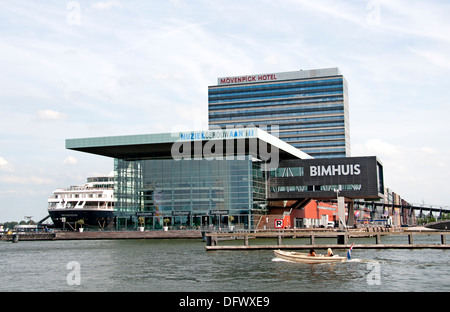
point(88, 235)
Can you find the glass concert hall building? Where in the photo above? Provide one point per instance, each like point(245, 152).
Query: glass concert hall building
point(192, 179)
point(222, 177)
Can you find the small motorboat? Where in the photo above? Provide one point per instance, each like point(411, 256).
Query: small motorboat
point(304, 258)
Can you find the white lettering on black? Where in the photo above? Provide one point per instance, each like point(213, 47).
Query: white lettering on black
point(332, 170)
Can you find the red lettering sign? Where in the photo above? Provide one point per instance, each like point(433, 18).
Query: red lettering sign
point(252, 78)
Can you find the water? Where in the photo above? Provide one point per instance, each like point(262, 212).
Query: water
point(184, 265)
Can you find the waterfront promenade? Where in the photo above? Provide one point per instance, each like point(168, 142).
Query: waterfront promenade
point(90, 235)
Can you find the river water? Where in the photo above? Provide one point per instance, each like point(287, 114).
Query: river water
point(180, 265)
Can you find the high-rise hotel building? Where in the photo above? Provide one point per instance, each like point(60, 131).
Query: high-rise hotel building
point(308, 108)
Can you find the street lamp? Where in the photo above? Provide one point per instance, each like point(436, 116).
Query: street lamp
point(337, 193)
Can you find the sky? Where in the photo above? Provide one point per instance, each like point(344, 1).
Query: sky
point(76, 69)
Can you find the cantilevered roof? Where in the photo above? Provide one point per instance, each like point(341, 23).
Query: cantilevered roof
point(236, 141)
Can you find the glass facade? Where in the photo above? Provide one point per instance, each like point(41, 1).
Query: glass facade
point(310, 114)
point(188, 193)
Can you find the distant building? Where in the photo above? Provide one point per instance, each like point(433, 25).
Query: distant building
point(191, 179)
point(309, 108)
point(313, 214)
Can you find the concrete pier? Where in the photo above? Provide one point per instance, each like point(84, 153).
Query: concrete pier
point(87, 235)
point(16, 237)
point(128, 235)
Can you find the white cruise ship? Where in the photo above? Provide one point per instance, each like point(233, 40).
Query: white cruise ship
point(92, 202)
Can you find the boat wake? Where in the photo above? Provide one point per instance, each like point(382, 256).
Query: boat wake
point(276, 259)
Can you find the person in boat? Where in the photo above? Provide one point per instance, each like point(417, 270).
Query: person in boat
point(312, 253)
point(329, 252)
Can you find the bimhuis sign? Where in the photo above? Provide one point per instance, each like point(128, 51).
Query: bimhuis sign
point(331, 169)
point(355, 177)
point(361, 171)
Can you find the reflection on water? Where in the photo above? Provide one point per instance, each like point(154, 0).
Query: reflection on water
point(184, 265)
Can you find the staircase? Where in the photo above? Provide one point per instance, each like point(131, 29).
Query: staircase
point(268, 221)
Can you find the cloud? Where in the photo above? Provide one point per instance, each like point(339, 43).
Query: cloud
point(428, 150)
point(49, 114)
point(380, 147)
point(3, 162)
point(11, 179)
point(70, 160)
point(5, 165)
point(106, 5)
point(439, 59)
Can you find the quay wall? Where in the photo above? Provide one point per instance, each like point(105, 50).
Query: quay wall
point(104, 235)
point(27, 236)
point(128, 235)
point(441, 226)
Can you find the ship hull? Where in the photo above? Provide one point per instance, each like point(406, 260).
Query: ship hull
point(97, 218)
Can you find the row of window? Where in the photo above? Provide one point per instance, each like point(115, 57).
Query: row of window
point(277, 103)
point(338, 110)
point(281, 122)
point(307, 126)
point(315, 188)
point(288, 172)
point(324, 150)
point(328, 155)
point(212, 96)
point(298, 130)
point(317, 138)
point(275, 85)
point(280, 96)
point(87, 195)
point(275, 110)
point(86, 205)
point(322, 144)
point(306, 132)
point(233, 207)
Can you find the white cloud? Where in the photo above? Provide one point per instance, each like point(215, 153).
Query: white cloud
point(428, 150)
point(70, 160)
point(439, 59)
point(5, 165)
point(32, 180)
point(48, 114)
point(106, 5)
point(380, 147)
point(3, 162)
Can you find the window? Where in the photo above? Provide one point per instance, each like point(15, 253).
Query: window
point(287, 172)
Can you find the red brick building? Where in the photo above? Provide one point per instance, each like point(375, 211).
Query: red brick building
point(313, 214)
